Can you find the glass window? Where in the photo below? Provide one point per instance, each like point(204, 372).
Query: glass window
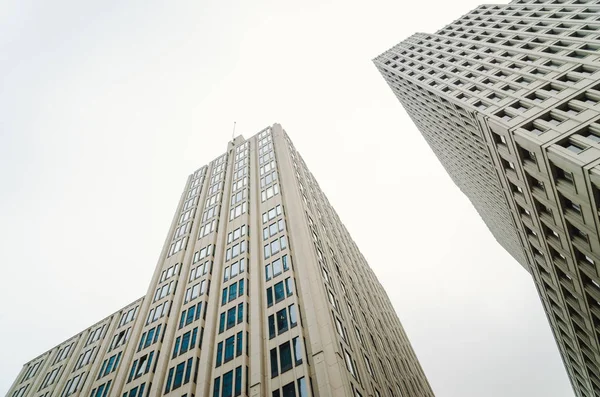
point(240, 316)
point(293, 318)
point(238, 381)
point(271, 326)
point(274, 365)
point(222, 323)
point(289, 390)
point(229, 345)
point(269, 297)
point(297, 344)
point(289, 287)
point(219, 354)
point(239, 344)
point(230, 317)
point(279, 292)
point(178, 380)
point(232, 291)
point(282, 321)
point(228, 384)
point(302, 388)
point(285, 356)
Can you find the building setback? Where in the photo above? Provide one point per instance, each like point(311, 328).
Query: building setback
point(508, 98)
point(259, 291)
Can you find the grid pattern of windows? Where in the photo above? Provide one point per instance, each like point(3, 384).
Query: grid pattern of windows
point(508, 98)
point(240, 219)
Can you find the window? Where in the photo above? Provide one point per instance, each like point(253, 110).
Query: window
point(229, 348)
point(349, 363)
point(285, 356)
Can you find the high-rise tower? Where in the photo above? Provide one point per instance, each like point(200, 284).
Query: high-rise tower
point(508, 98)
point(259, 291)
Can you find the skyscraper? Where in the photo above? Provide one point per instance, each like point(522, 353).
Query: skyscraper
point(259, 291)
point(508, 98)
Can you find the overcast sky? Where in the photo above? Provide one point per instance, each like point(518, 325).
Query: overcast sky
point(107, 106)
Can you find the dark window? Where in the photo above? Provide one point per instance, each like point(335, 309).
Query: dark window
point(229, 345)
point(274, 365)
point(285, 356)
point(282, 321)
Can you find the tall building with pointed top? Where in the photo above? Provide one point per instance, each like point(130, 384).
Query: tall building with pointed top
point(259, 291)
point(508, 98)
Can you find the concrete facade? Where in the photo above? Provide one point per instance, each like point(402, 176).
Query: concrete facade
point(508, 98)
point(259, 291)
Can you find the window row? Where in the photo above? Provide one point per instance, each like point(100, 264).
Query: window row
point(279, 244)
point(50, 378)
point(279, 291)
point(232, 344)
point(240, 183)
point(210, 213)
point(208, 228)
point(201, 270)
point(282, 321)
point(203, 253)
point(141, 366)
point(120, 339)
point(164, 290)
point(62, 353)
point(109, 365)
point(282, 362)
point(85, 358)
point(232, 292)
point(102, 390)
point(264, 149)
point(271, 214)
point(273, 229)
point(128, 316)
point(31, 371)
point(191, 314)
point(231, 317)
point(238, 210)
point(268, 179)
point(149, 338)
point(235, 250)
point(269, 192)
point(266, 158)
point(95, 335)
point(289, 390)
point(177, 246)
point(196, 290)
point(234, 269)
point(73, 384)
point(158, 312)
point(137, 391)
point(186, 342)
point(168, 273)
point(180, 375)
point(240, 173)
point(267, 167)
point(237, 233)
point(277, 267)
point(229, 389)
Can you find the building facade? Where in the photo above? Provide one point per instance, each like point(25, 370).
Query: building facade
point(508, 98)
point(259, 291)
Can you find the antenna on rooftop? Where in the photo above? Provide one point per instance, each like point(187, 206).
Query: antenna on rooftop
point(233, 133)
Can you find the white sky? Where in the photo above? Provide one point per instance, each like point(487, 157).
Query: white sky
point(107, 106)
